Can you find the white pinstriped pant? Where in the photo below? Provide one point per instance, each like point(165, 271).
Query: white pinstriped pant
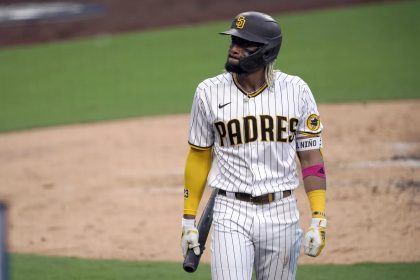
point(266, 237)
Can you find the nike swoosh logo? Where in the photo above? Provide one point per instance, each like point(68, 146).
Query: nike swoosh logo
point(221, 106)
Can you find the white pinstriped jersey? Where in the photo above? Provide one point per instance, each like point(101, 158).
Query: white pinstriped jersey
point(253, 138)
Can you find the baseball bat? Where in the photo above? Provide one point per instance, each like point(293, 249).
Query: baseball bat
point(191, 260)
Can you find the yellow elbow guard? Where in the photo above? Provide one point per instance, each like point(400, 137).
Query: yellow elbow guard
point(317, 202)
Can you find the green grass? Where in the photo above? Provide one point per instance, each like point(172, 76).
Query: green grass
point(28, 267)
point(360, 53)
point(24, 267)
point(365, 52)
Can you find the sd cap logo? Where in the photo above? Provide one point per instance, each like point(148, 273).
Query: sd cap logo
point(240, 22)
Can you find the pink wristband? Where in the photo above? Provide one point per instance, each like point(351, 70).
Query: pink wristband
point(317, 170)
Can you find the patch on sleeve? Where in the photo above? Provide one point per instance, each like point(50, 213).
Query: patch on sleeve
point(313, 122)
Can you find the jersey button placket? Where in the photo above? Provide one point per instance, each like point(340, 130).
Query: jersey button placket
point(251, 147)
point(246, 105)
point(254, 144)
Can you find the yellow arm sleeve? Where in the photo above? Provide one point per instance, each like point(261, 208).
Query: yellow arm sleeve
point(197, 169)
point(317, 202)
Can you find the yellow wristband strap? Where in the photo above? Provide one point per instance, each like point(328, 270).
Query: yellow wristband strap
point(197, 168)
point(317, 202)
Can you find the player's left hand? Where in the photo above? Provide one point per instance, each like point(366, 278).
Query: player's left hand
point(315, 237)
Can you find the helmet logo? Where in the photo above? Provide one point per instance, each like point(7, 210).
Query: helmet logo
point(240, 22)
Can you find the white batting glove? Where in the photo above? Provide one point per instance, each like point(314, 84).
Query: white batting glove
point(189, 239)
point(315, 237)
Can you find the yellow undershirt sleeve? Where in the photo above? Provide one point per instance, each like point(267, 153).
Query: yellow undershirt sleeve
point(317, 202)
point(197, 169)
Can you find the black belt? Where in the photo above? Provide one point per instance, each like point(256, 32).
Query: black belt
point(262, 199)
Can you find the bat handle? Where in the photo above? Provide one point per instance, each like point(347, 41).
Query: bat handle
point(191, 261)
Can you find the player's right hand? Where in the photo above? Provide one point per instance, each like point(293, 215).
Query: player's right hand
point(315, 237)
point(189, 239)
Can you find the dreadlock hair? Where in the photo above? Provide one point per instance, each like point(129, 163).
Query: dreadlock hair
point(269, 73)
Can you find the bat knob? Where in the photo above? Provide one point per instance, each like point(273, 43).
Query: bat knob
point(191, 261)
point(190, 269)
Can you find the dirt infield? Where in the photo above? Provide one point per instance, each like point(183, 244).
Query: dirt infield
point(114, 189)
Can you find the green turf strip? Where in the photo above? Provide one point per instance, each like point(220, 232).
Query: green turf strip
point(367, 52)
point(25, 267)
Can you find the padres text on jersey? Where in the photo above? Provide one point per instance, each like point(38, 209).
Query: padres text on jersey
point(253, 137)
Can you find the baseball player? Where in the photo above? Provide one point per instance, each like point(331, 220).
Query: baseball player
point(248, 126)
